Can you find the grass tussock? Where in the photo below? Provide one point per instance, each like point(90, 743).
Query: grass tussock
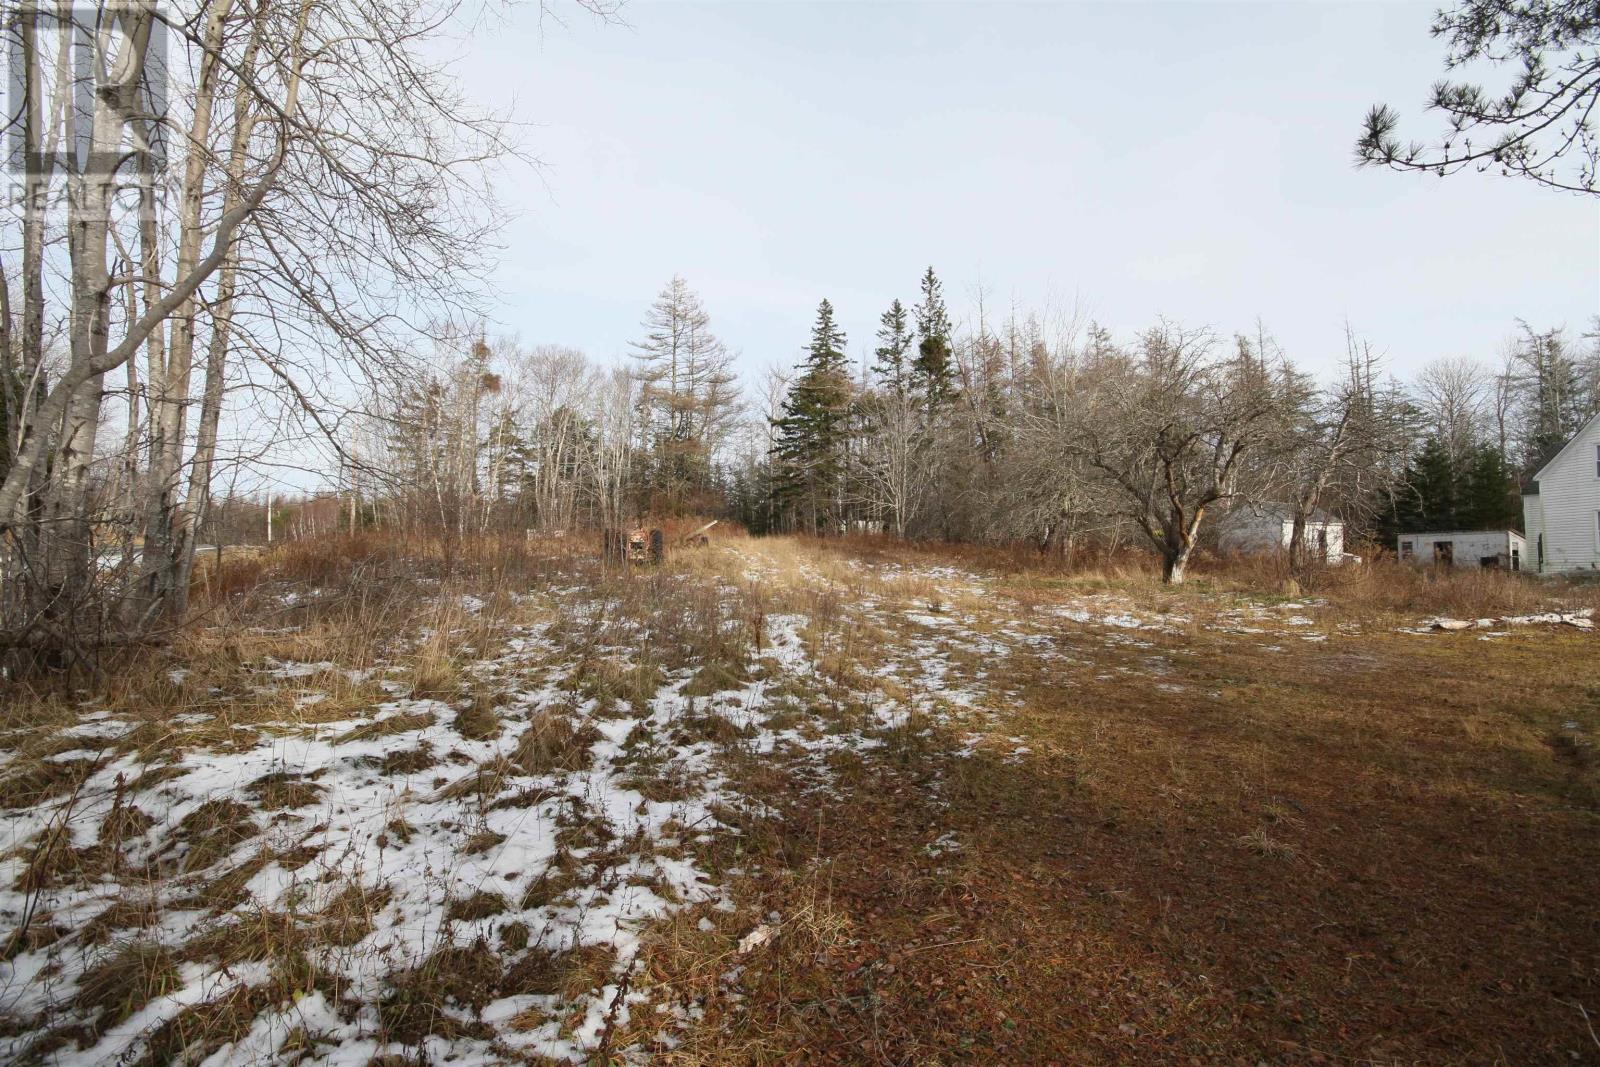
point(554, 741)
point(283, 791)
point(125, 913)
point(126, 978)
point(405, 761)
point(40, 780)
point(404, 722)
point(482, 904)
point(478, 721)
point(428, 999)
point(211, 833)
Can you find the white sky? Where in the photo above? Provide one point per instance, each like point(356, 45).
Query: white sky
point(1191, 160)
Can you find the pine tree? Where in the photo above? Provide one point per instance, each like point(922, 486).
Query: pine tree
point(894, 344)
point(933, 370)
point(812, 430)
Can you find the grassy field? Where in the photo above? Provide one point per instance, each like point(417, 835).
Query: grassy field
point(797, 801)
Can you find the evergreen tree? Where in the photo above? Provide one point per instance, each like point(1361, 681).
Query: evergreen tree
point(1556, 389)
point(1425, 499)
point(894, 344)
point(933, 370)
point(1487, 493)
point(812, 430)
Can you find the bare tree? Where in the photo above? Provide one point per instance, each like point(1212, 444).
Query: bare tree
point(1454, 394)
point(1169, 426)
point(555, 423)
point(329, 205)
point(1343, 440)
point(894, 463)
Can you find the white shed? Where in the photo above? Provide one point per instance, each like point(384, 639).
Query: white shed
point(1465, 548)
point(1561, 506)
point(1257, 528)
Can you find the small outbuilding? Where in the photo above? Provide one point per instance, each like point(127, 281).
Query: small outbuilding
point(1505, 549)
point(1253, 529)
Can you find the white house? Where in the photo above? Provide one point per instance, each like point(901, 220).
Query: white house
point(1465, 548)
point(1267, 527)
point(1561, 506)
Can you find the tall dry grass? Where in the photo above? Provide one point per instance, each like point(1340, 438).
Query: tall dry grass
point(1379, 584)
point(360, 600)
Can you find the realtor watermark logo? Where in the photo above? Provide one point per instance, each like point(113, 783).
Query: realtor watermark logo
point(86, 93)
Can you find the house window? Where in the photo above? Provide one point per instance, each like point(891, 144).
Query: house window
point(1516, 558)
point(1597, 461)
point(1405, 550)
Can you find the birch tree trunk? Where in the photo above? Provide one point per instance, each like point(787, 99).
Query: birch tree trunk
point(169, 381)
point(180, 565)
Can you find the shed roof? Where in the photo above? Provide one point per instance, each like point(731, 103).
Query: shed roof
point(1460, 533)
point(1276, 509)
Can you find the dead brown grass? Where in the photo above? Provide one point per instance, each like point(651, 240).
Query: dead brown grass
point(283, 791)
point(479, 721)
point(480, 905)
point(211, 833)
point(400, 723)
point(1370, 849)
point(1373, 849)
point(453, 976)
point(1381, 584)
point(126, 979)
point(554, 741)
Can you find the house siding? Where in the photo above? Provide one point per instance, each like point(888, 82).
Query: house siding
point(1567, 507)
point(1533, 528)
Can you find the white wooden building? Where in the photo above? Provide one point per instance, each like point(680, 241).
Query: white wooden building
point(1561, 506)
point(1465, 548)
point(1257, 528)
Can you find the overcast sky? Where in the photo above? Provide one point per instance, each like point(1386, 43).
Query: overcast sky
point(1135, 160)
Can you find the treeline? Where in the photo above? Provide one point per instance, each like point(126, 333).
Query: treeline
point(1054, 432)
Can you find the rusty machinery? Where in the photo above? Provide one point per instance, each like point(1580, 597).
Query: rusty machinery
point(645, 544)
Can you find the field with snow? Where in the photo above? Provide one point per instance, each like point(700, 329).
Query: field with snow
point(791, 801)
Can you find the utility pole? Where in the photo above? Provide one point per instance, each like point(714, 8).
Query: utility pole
point(269, 516)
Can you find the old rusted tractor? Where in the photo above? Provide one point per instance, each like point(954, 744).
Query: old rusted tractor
point(638, 545)
point(646, 544)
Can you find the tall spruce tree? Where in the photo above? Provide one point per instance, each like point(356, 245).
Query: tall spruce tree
point(1425, 499)
point(894, 345)
point(933, 370)
point(812, 430)
point(1555, 403)
point(1486, 496)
